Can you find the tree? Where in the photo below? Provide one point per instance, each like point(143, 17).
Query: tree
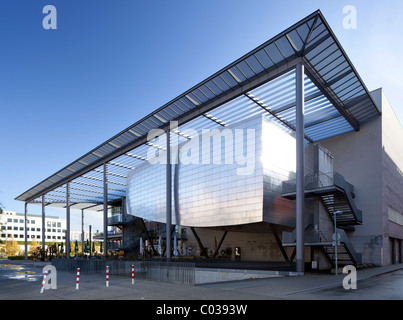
point(33, 248)
point(2, 220)
point(12, 247)
point(72, 248)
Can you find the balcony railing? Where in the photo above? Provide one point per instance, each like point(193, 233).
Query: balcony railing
point(115, 219)
point(312, 182)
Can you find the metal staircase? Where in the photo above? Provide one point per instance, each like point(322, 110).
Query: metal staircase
point(336, 195)
point(346, 253)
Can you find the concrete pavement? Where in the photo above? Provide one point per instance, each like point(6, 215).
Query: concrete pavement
point(92, 286)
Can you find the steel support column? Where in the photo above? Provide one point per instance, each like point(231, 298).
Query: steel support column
point(300, 184)
point(203, 251)
point(82, 231)
point(25, 230)
point(169, 197)
point(68, 220)
point(105, 181)
point(43, 223)
point(219, 244)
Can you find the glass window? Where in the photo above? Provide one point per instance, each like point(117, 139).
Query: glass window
point(59, 224)
point(21, 220)
point(228, 79)
point(221, 84)
point(254, 64)
point(9, 220)
point(285, 47)
point(32, 221)
point(264, 58)
point(274, 54)
point(245, 69)
point(296, 40)
point(15, 220)
point(303, 31)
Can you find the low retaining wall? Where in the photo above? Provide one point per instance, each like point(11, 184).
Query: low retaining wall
point(211, 275)
point(172, 272)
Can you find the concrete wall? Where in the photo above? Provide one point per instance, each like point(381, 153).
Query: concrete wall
point(392, 181)
point(372, 160)
point(254, 246)
point(358, 157)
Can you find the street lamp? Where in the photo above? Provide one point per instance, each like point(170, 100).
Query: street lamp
point(336, 237)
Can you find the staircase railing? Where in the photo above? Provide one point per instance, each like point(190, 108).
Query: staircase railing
point(340, 182)
point(355, 256)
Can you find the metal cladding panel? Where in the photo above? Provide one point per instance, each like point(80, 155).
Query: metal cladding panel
point(226, 187)
point(279, 165)
point(235, 180)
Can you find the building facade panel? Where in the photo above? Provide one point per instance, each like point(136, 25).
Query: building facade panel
point(238, 182)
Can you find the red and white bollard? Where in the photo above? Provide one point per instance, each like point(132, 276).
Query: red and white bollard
point(43, 282)
point(132, 273)
point(78, 279)
point(107, 276)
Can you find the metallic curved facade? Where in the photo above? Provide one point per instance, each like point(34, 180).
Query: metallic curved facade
point(224, 177)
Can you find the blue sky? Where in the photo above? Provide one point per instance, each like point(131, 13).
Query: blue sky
point(109, 63)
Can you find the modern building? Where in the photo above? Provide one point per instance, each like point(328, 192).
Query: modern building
point(13, 226)
point(282, 156)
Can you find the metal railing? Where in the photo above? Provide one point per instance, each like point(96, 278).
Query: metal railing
point(116, 218)
point(312, 182)
point(172, 272)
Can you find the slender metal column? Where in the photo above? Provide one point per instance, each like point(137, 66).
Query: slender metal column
point(68, 220)
point(105, 179)
point(43, 223)
point(169, 197)
point(25, 230)
point(300, 185)
point(90, 241)
point(82, 231)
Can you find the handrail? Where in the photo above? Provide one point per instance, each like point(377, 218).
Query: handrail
point(355, 256)
point(340, 182)
point(312, 181)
